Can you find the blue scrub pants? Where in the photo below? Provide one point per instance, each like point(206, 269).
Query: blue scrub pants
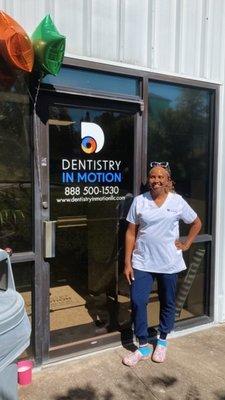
point(141, 288)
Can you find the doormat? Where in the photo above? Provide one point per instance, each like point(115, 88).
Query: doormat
point(64, 297)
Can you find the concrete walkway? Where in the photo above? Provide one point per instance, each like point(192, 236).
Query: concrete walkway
point(194, 370)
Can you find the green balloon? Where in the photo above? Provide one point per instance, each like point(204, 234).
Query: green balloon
point(49, 47)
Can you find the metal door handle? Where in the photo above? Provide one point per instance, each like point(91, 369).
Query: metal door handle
point(72, 222)
point(49, 239)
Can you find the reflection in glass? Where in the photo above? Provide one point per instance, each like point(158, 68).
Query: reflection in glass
point(15, 216)
point(180, 132)
point(94, 80)
point(86, 295)
point(190, 298)
point(15, 168)
point(191, 284)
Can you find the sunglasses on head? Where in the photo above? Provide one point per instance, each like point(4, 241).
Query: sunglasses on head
point(163, 164)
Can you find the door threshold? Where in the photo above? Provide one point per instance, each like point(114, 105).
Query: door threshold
point(85, 347)
point(84, 342)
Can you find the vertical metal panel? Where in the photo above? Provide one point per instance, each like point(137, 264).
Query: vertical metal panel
point(70, 17)
point(135, 23)
point(204, 71)
point(212, 300)
point(27, 12)
point(191, 23)
point(144, 157)
point(216, 43)
point(165, 34)
point(42, 266)
point(220, 214)
point(8, 6)
point(105, 24)
point(41, 299)
point(137, 152)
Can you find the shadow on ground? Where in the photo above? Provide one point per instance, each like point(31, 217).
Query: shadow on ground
point(220, 395)
point(85, 393)
point(133, 387)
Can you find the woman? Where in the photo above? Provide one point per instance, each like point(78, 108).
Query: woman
point(154, 251)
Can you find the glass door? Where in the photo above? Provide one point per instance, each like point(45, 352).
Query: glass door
point(91, 185)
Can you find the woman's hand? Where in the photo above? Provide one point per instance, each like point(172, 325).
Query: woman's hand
point(195, 228)
point(131, 234)
point(129, 273)
point(184, 246)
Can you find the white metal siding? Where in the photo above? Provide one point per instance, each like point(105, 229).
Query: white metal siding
point(104, 27)
point(134, 28)
point(176, 36)
point(69, 20)
point(164, 40)
point(184, 37)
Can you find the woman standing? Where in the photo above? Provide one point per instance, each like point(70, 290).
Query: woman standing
point(154, 251)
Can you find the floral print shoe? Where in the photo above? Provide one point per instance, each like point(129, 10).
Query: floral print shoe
point(139, 355)
point(159, 354)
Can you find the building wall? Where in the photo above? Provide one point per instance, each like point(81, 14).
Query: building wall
point(183, 37)
point(177, 36)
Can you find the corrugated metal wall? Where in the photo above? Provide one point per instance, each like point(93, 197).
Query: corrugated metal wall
point(185, 37)
point(177, 36)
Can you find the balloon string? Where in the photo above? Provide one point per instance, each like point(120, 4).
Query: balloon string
point(30, 95)
point(36, 141)
point(36, 144)
point(37, 92)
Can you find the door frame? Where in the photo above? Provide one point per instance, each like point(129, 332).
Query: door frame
point(41, 321)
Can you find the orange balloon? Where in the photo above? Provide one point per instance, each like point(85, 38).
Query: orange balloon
point(15, 44)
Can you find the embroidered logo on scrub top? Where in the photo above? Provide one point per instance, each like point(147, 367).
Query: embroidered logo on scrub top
point(171, 210)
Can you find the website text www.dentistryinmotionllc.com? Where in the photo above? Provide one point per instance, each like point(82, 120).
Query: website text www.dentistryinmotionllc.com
point(89, 199)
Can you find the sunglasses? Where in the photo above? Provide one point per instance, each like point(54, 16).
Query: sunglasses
point(163, 164)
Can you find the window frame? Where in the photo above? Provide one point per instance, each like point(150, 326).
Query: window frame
point(41, 269)
point(206, 238)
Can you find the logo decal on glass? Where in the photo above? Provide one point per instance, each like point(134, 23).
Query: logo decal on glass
point(92, 137)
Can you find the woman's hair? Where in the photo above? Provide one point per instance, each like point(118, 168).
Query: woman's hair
point(171, 183)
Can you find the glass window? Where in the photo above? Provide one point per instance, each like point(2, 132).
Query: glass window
point(15, 167)
point(98, 81)
point(180, 131)
point(191, 283)
point(190, 297)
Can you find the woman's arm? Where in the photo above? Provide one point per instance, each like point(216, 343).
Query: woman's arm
point(193, 231)
point(130, 239)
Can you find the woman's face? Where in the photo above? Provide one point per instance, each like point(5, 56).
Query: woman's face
point(158, 180)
